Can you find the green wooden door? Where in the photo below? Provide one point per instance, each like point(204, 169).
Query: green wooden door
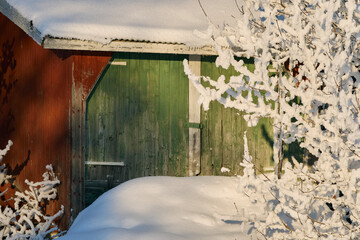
point(136, 124)
point(223, 132)
point(135, 121)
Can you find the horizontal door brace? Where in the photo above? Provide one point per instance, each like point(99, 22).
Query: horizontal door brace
point(120, 164)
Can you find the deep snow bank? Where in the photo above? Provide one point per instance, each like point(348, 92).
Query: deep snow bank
point(168, 208)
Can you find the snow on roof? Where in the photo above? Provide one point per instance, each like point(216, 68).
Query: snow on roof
point(166, 21)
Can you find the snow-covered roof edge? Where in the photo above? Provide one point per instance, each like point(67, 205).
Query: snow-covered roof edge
point(26, 25)
point(49, 42)
point(126, 46)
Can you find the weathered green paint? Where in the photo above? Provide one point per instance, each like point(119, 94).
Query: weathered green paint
point(194, 125)
point(223, 131)
point(136, 114)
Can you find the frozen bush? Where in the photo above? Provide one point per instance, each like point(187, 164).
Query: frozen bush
point(27, 219)
point(306, 78)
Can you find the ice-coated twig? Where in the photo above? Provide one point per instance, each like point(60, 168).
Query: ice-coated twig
point(312, 98)
point(26, 220)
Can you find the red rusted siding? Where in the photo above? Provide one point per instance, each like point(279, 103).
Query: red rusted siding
point(36, 107)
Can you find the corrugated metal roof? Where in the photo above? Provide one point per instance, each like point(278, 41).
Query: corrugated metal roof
point(156, 21)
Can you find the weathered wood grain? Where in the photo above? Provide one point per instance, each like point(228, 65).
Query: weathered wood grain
point(136, 114)
point(222, 136)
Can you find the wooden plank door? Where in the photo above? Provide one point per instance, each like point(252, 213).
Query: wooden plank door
point(136, 121)
point(223, 130)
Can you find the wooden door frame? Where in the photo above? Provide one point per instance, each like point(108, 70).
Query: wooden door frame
point(78, 134)
point(78, 141)
point(194, 119)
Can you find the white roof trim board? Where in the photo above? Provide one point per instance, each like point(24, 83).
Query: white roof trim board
point(127, 46)
point(26, 25)
point(119, 25)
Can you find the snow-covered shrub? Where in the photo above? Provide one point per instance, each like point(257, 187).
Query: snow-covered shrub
point(306, 77)
point(27, 218)
point(318, 203)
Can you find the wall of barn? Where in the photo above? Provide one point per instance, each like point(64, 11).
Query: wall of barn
point(34, 109)
point(41, 103)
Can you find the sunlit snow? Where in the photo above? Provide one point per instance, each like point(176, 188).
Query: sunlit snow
point(142, 20)
point(169, 208)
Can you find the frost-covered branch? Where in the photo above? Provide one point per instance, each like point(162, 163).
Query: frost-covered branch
point(27, 218)
point(318, 203)
point(306, 77)
point(3, 177)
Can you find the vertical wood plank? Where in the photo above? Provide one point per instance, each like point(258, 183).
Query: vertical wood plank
point(77, 191)
point(194, 117)
point(164, 113)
